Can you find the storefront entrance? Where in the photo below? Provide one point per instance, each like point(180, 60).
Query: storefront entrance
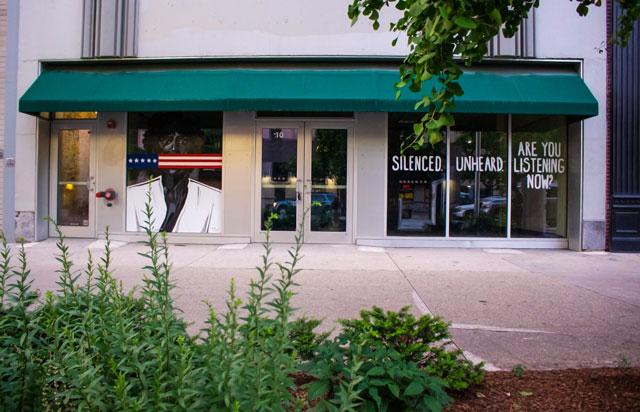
point(304, 171)
point(73, 171)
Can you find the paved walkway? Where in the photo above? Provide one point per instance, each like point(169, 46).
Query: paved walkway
point(540, 308)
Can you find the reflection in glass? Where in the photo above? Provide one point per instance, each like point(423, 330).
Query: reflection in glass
point(279, 177)
point(329, 180)
point(416, 183)
point(73, 177)
point(75, 115)
point(539, 181)
point(478, 171)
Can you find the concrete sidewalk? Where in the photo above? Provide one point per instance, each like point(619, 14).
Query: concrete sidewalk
point(540, 308)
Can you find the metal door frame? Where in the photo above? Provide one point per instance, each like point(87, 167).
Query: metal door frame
point(303, 187)
point(88, 231)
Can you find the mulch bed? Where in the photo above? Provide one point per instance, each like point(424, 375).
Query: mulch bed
point(604, 389)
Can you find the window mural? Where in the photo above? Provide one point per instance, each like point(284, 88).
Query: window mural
point(539, 179)
point(416, 183)
point(174, 159)
point(478, 176)
point(474, 160)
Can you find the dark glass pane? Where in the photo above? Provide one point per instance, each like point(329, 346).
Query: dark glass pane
point(329, 180)
point(416, 183)
point(177, 158)
point(539, 181)
point(279, 177)
point(478, 171)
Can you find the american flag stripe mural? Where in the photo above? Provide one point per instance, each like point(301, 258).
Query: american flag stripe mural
point(190, 161)
point(174, 161)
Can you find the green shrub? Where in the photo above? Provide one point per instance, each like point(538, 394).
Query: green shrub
point(371, 377)
point(303, 338)
point(425, 341)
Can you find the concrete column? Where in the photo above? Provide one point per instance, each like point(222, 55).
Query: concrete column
point(370, 175)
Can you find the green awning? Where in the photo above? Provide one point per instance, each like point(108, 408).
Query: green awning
point(362, 90)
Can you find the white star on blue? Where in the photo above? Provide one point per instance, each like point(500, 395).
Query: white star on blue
point(142, 161)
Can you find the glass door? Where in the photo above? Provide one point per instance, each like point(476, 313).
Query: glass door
point(327, 194)
point(73, 179)
point(280, 165)
point(304, 167)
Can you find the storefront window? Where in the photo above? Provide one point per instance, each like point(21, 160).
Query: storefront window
point(174, 160)
point(416, 183)
point(478, 176)
point(539, 180)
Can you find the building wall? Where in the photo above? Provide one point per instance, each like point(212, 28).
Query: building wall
point(562, 34)
point(52, 29)
point(48, 30)
point(256, 27)
point(370, 166)
point(3, 58)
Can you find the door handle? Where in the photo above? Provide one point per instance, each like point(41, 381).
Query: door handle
point(299, 195)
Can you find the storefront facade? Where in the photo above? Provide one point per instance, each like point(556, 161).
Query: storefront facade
point(218, 144)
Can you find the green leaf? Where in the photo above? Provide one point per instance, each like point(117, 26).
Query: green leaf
point(318, 388)
point(416, 8)
point(414, 388)
point(496, 16)
point(376, 371)
point(435, 136)
point(373, 392)
point(426, 76)
point(525, 393)
point(426, 57)
point(418, 128)
point(443, 12)
point(432, 404)
point(465, 22)
point(582, 9)
point(394, 389)
point(455, 88)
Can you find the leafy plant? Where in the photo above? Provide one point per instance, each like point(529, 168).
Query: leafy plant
point(378, 378)
point(519, 370)
point(403, 363)
point(424, 341)
point(303, 338)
